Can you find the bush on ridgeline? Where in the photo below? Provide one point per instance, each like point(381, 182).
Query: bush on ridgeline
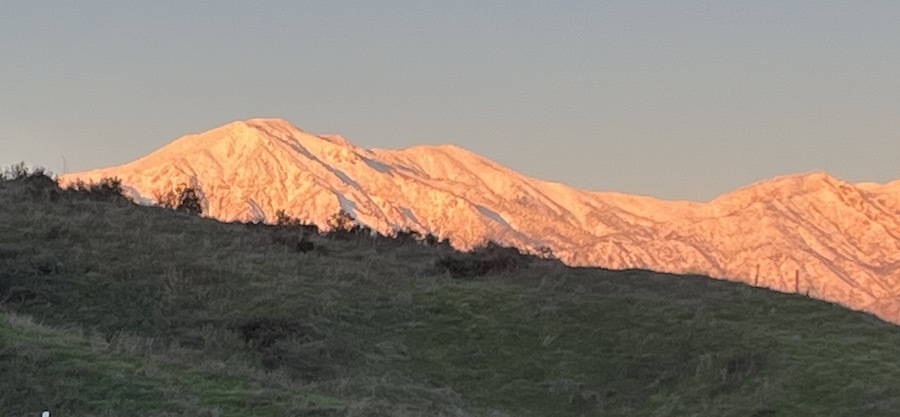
point(490, 258)
point(285, 220)
point(18, 172)
point(293, 233)
point(396, 238)
point(546, 252)
point(183, 198)
point(37, 183)
point(431, 239)
point(407, 235)
point(343, 225)
point(107, 189)
point(402, 237)
point(168, 200)
point(342, 221)
point(189, 201)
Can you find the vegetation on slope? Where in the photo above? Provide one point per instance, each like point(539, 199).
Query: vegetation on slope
point(108, 308)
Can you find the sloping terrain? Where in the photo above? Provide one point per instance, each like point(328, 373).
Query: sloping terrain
point(108, 308)
point(64, 371)
point(810, 233)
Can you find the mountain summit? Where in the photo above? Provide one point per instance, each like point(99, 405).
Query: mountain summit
point(811, 232)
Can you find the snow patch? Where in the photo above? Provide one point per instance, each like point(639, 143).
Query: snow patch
point(133, 194)
point(377, 165)
point(493, 215)
point(257, 214)
point(345, 178)
point(411, 217)
point(347, 205)
point(300, 149)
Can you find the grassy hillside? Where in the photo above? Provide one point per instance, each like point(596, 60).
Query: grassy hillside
point(110, 309)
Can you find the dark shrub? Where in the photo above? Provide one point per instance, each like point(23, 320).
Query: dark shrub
point(398, 238)
point(37, 183)
point(432, 240)
point(16, 295)
point(16, 172)
point(284, 220)
point(183, 198)
point(344, 226)
point(264, 332)
point(490, 258)
point(293, 346)
point(407, 235)
point(189, 201)
point(292, 240)
point(108, 189)
point(305, 245)
point(8, 254)
point(342, 221)
point(546, 252)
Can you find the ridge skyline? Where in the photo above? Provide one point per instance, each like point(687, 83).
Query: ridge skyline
point(892, 182)
point(837, 236)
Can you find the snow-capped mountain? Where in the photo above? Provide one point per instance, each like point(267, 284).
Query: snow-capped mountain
point(829, 238)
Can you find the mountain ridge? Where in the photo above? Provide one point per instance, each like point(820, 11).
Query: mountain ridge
point(840, 239)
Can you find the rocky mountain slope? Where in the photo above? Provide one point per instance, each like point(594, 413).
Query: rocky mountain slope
point(811, 232)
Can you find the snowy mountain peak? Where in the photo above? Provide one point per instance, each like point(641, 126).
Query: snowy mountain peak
point(810, 232)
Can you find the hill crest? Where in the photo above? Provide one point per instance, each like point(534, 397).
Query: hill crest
point(840, 239)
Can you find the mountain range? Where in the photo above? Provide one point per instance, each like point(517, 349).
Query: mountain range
point(810, 233)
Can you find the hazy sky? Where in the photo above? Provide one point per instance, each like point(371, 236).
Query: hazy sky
point(674, 99)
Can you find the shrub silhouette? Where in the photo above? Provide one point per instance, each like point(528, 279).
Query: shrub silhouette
point(18, 172)
point(16, 295)
point(293, 241)
point(430, 239)
point(342, 221)
point(168, 200)
point(398, 238)
point(344, 226)
point(304, 245)
point(285, 220)
point(265, 332)
point(189, 201)
point(107, 189)
point(183, 198)
point(292, 232)
point(487, 259)
point(401, 237)
point(546, 252)
point(37, 183)
point(291, 345)
point(407, 235)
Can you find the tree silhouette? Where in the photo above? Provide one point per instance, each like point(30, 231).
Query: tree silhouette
point(342, 221)
point(183, 198)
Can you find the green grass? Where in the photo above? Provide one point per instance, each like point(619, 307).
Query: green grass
point(66, 371)
point(113, 309)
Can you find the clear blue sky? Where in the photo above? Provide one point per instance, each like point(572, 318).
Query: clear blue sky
point(679, 100)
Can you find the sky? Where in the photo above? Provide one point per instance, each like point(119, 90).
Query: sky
point(679, 100)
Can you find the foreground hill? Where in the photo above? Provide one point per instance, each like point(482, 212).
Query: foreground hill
point(809, 233)
point(108, 308)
